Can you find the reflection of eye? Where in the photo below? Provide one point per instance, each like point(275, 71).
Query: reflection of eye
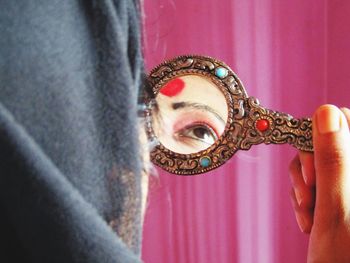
point(200, 132)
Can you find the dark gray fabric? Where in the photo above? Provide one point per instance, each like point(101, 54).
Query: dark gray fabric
point(70, 164)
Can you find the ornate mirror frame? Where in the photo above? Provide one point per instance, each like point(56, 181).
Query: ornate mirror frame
point(247, 124)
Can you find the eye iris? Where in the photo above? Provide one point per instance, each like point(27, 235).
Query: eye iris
point(201, 132)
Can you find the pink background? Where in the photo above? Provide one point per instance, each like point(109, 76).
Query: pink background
point(293, 56)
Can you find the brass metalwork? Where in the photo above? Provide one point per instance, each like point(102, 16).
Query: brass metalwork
point(240, 130)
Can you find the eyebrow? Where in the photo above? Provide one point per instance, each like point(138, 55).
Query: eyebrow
point(199, 106)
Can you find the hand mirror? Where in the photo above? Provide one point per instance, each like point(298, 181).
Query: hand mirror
point(201, 115)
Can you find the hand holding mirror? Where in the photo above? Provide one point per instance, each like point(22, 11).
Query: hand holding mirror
point(201, 115)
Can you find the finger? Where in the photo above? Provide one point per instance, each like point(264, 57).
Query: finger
point(331, 140)
point(346, 112)
point(304, 194)
point(304, 216)
point(308, 168)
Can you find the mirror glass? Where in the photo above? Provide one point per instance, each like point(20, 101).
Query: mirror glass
point(190, 114)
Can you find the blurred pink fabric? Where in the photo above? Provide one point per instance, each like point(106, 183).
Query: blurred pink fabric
point(293, 56)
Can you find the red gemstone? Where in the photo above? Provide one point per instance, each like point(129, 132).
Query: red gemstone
point(262, 125)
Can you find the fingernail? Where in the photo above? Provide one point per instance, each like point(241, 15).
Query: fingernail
point(328, 119)
point(301, 222)
point(298, 196)
point(304, 174)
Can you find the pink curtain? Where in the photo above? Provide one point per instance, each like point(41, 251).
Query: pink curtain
point(293, 56)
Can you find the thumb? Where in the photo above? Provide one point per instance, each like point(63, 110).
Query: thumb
point(331, 140)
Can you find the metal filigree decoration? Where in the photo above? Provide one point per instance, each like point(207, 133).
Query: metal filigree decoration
point(248, 123)
point(267, 126)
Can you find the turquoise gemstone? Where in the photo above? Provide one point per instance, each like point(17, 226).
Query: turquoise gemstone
point(221, 72)
point(205, 161)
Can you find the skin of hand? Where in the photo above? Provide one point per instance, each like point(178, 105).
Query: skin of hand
point(321, 187)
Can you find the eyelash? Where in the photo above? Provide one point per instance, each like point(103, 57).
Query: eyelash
point(198, 123)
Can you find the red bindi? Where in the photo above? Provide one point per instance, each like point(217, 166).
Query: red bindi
point(173, 88)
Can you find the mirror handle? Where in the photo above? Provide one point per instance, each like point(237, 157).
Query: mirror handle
point(273, 127)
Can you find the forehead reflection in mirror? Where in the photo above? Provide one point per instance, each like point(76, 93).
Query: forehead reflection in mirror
point(190, 115)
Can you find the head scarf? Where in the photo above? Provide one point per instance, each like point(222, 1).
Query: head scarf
point(70, 164)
